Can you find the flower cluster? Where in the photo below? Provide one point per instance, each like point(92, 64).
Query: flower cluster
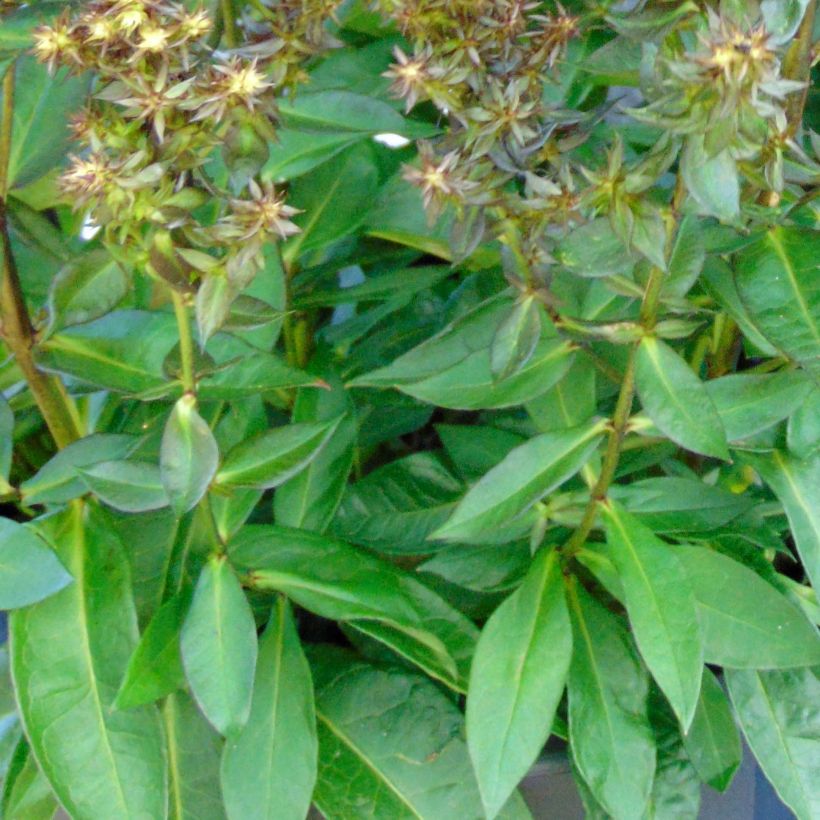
point(166, 101)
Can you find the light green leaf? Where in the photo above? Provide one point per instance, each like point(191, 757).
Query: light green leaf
point(296, 152)
point(194, 750)
point(594, 250)
point(677, 401)
point(269, 768)
point(515, 339)
point(30, 797)
point(804, 426)
point(713, 742)
point(218, 644)
point(155, 668)
point(748, 403)
point(58, 480)
point(745, 622)
point(797, 484)
point(69, 653)
point(516, 681)
point(128, 486)
point(778, 712)
point(712, 181)
point(29, 569)
point(351, 585)
point(778, 277)
point(390, 746)
point(610, 736)
point(661, 607)
point(528, 473)
point(188, 456)
point(271, 458)
point(87, 287)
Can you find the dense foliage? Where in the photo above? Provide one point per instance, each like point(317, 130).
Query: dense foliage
point(390, 386)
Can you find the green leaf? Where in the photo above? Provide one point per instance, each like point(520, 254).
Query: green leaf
point(516, 681)
point(30, 796)
point(489, 568)
point(778, 713)
point(475, 448)
point(527, 474)
point(777, 277)
point(69, 653)
point(748, 403)
point(269, 768)
point(661, 607)
point(188, 457)
point(394, 508)
point(194, 750)
point(745, 622)
point(796, 482)
point(390, 745)
point(29, 569)
point(712, 181)
point(129, 486)
point(687, 257)
point(516, 339)
point(782, 17)
point(87, 287)
point(218, 644)
point(42, 105)
point(713, 742)
point(351, 585)
point(296, 152)
point(335, 198)
point(155, 668)
point(677, 401)
point(310, 498)
point(59, 479)
point(6, 439)
point(594, 250)
point(804, 426)
point(271, 458)
point(610, 737)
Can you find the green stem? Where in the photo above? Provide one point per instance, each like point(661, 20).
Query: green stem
point(186, 342)
point(620, 421)
point(56, 406)
point(229, 23)
point(797, 66)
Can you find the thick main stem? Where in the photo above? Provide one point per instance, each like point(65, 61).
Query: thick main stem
point(620, 421)
point(58, 410)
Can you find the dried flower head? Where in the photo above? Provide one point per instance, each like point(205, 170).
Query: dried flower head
point(263, 215)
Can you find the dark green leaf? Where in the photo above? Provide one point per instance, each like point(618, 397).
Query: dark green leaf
point(390, 745)
point(712, 181)
point(69, 653)
point(271, 458)
point(188, 457)
point(6, 439)
point(29, 569)
point(779, 715)
point(129, 486)
point(595, 250)
point(677, 401)
point(352, 585)
point(804, 426)
point(218, 644)
point(30, 796)
point(296, 152)
point(528, 473)
point(476, 449)
point(713, 742)
point(516, 681)
point(516, 339)
point(269, 768)
point(155, 668)
point(610, 737)
point(745, 622)
point(661, 606)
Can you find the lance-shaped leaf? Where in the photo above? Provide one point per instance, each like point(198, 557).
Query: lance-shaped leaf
point(796, 482)
point(516, 338)
point(218, 645)
point(351, 585)
point(661, 607)
point(390, 745)
point(516, 681)
point(711, 180)
point(527, 474)
point(713, 742)
point(29, 796)
point(745, 622)
point(677, 401)
point(155, 668)
point(269, 768)
point(128, 486)
point(778, 281)
point(29, 569)
point(610, 736)
point(188, 457)
point(778, 713)
point(194, 750)
point(271, 458)
point(69, 653)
